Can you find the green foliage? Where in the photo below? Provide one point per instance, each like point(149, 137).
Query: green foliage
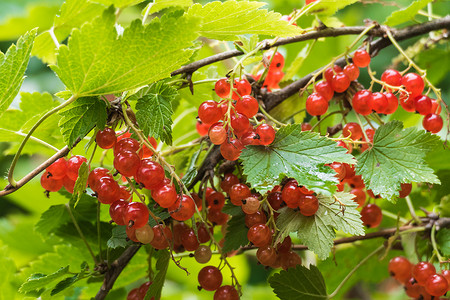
point(299, 283)
point(158, 5)
point(443, 239)
point(236, 235)
point(118, 3)
point(226, 20)
point(317, 231)
point(154, 111)
point(80, 117)
point(397, 156)
point(158, 282)
point(406, 14)
point(328, 7)
point(12, 69)
point(153, 51)
point(118, 238)
point(296, 154)
point(69, 281)
point(37, 282)
point(81, 182)
point(51, 219)
point(295, 66)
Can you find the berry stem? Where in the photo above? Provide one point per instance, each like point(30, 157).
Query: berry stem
point(328, 115)
point(394, 216)
point(35, 139)
point(75, 223)
point(11, 180)
point(142, 199)
point(268, 116)
point(334, 293)
point(412, 210)
point(434, 244)
point(293, 115)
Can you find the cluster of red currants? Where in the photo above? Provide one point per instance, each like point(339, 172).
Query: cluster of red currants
point(274, 63)
point(210, 279)
point(365, 102)
point(62, 173)
point(140, 292)
point(421, 281)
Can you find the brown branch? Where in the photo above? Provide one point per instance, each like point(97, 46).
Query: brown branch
point(115, 269)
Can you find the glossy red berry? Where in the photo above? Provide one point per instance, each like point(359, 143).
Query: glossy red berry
point(215, 200)
point(228, 181)
point(353, 130)
point(266, 255)
point(50, 184)
point(231, 149)
point(210, 278)
point(162, 237)
point(95, 175)
point(126, 144)
point(107, 190)
point(435, 107)
point(68, 184)
point(405, 189)
point(248, 106)
point(352, 71)
point(266, 134)
point(379, 102)
point(407, 102)
point(58, 169)
point(260, 235)
point(117, 211)
point(392, 103)
point(183, 209)
point(73, 165)
point(136, 214)
point(371, 215)
point(222, 88)
point(362, 102)
point(392, 77)
point(209, 112)
point(165, 195)
point(361, 58)
point(360, 196)
point(340, 82)
point(202, 128)
point(316, 105)
point(306, 127)
point(239, 192)
point(291, 194)
point(432, 123)
point(400, 268)
point(413, 83)
point(242, 87)
point(133, 294)
point(239, 122)
point(277, 60)
point(324, 89)
point(329, 72)
point(217, 134)
point(436, 285)
point(422, 271)
point(106, 138)
point(217, 217)
point(422, 105)
point(127, 163)
point(150, 174)
point(257, 218)
point(308, 205)
point(189, 240)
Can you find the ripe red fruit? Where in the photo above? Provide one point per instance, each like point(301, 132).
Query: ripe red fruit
point(353, 130)
point(217, 134)
point(277, 61)
point(215, 200)
point(150, 174)
point(189, 240)
point(248, 106)
point(432, 123)
point(260, 235)
point(329, 73)
point(266, 134)
point(239, 192)
point(290, 259)
point(257, 218)
point(324, 89)
point(422, 103)
point(242, 87)
point(107, 190)
point(351, 71)
point(436, 285)
point(210, 278)
point(202, 128)
point(435, 107)
point(106, 138)
point(291, 194)
point(231, 149)
point(226, 292)
point(361, 58)
point(422, 271)
point(362, 102)
point(127, 163)
point(228, 181)
point(126, 144)
point(392, 103)
point(68, 184)
point(162, 237)
point(95, 175)
point(49, 183)
point(400, 268)
point(239, 122)
point(340, 82)
point(413, 83)
point(209, 112)
point(217, 217)
point(392, 77)
point(222, 88)
point(58, 169)
point(371, 215)
point(308, 205)
point(379, 102)
point(407, 102)
point(73, 165)
point(339, 169)
point(133, 294)
point(183, 209)
point(405, 189)
point(117, 211)
point(266, 255)
point(136, 214)
point(360, 196)
point(316, 105)
point(306, 127)
point(165, 195)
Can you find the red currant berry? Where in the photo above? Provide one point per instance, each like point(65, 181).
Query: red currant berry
point(362, 102)
point(165, 195)
point(150, 174)
point(209, 112)
point(266, 255)
point(290, 259)
point(407, 102)
point(257, 218)
point(432, 123)
point(379, 102)
point(58, 169)
point(127, 163)
point(202, 128)
point(324, 89)
point(316, 105)
point(217, 217)
point(266, 134)
point(239, 192)
point(308, 205)
point(413, 83)
point(392, 77)
point(117, 211)
point(133, 294)
point(68, 184)
point(183, 209)
point(222, 88)
point(73, 165)
point(352, 130)
point(351, 71)
point(360, 196)
point(339, 169)
point(106, 138)
point(49, 183)
point(392, 103)
point(361, 58)
point(162, 237)
point(215, 200)
point(239, 122)
point(400, 268)
point(250, 205)
point(329, 72)
point(136, 214)
point(306, 127)
point(340, 82)
point(189, 240)
point(422, 271)
point(228, 181)
point(248, 106)
point(126, 144)
point(210, 278)
point(249, 138)
point(422, 104)
point(291, 194)
point(217, 134)
point(436, 285)
point(95, 175)
point(242, 87)
point(371, 215)
point(107, 190)
point(277, 61)
point(260, 235)
point(435, 107)
point(231, 149)
point(405, 189)
point(203, 232)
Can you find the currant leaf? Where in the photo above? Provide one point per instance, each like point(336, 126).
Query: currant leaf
point(159, 5)
point(443, 240)
point(51, 219)
point(299, 283)
point(328, 7)
point(12, 68)
point(38, 281)
point(80, 185)
point(80, 117)
point(158, 282)
point(397, 156)
point(154, 111)
point(236, 235)
point(69, 281)
point(226, 20)
point(406, 14)
point(119, 3)
point(152, 52)
point(296, 154)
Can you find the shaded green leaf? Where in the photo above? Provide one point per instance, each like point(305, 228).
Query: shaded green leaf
point(38, 281)
point(443, 240)
point(69, 281)
point(328, 7)
point(80, 117)
point(231, 209)
point(93, 62)
point(80, 185)
point(158, 281)
point(296, 154)
point(299, 283)
point(12, 69)
point(406, 14)
point(397, 156)
point(154, 111)
point(118, 238)
point(236, 235)
point(51, 219)
point(226, 20)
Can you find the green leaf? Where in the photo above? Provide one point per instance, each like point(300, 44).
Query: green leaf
point(299, 283)
point(236, 235)
point(226, 20)
point(118, 238)
point(231, 209)
point(118, 3)
point(406, 14)
point(328, 7)
point(94, 61)
point(80, 117)
point(51, 219)
point(296, 154)
point(159, 5)
point(65, 283)
point(443, 240)
point(12, 68)
point(397, 156)
point(154, 111)
point(38, 281)
point(295, 66)
point(158, 282)
point(80, 185)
